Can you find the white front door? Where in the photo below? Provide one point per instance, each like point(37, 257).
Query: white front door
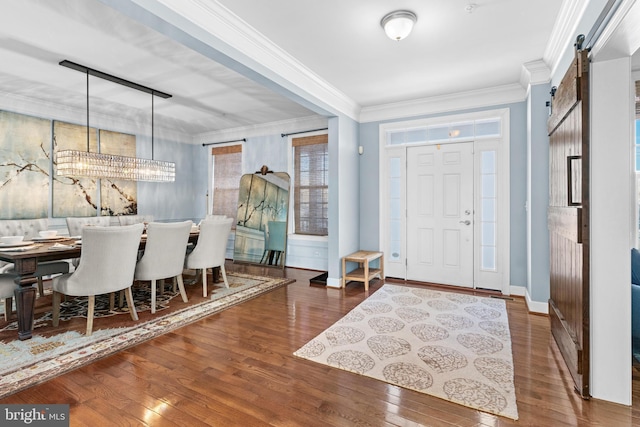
point(440, 214)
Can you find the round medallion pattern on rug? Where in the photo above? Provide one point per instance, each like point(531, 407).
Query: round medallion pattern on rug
point(428, 333)
point(341, 335)
point(374, 307)
point(406, 300)
point(313, 348)
point(454, 321)
point(482, 312)
point(497, 329)
point(408, 375)
point(426, 293)
point(480, 344)
point(461, 298)
point(353, 316)
point(493, 302)
point(384, 325)
point(442, 359)
point(475, 394)
point(442, 305)
point(453, 346)
point(412, 314)
point(397, 289)
point(352, 360)
point(386, 347)
point(496, 370)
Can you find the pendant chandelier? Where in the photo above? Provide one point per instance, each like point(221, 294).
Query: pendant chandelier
point(102, 165)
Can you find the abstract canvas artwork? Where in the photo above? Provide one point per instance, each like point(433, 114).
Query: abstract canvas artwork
point(29, 184)
point(25, 159)
point(118, 197)
point(74, 196)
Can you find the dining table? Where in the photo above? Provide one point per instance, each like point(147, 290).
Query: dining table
point(25, 258)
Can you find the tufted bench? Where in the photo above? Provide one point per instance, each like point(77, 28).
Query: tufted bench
point(134, 219)
point(75, 224)
point(29, 228)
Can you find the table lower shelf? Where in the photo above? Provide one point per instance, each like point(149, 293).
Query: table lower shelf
point(358, 275)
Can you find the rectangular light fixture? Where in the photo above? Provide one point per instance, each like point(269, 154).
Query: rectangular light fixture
point(99, 165)
point(111, 166)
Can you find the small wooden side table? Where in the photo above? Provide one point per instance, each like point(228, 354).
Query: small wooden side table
point(363, 273)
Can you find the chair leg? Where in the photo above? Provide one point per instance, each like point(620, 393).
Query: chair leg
point(224, 276)
point(40, 287)
point(90, 309)
point(174, 282)
point(204, 282)
point(55, 315)
point(161, 286)
point(8, 306)
point(153, 296)
point(132, 307)
point(183, 293)
point(112, 301)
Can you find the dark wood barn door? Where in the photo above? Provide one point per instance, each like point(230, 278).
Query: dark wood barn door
point(568, 219)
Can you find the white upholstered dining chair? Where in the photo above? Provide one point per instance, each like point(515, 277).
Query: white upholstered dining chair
point(7, 286)
point(29, 228)
point(210, 249)
point(107, 264)
point(164, 255)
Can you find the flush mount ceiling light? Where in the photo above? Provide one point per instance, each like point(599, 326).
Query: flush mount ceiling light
point(398, 24)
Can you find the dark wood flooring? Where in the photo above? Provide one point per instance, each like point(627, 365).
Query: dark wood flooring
point(236, 368)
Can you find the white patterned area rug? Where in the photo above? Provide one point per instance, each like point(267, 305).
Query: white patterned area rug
point(453, 346)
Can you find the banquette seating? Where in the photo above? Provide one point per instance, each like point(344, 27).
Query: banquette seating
point(29, 228)
point(134, 219)
point(75, 224)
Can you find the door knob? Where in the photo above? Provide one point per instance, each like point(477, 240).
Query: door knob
point(467, 222)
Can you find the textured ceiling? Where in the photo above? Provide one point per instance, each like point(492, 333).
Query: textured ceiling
point(338, 41)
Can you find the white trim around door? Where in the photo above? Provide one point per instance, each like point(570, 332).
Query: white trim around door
point(488, 132)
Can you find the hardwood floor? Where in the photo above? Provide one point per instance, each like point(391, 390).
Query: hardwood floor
point(236, 368)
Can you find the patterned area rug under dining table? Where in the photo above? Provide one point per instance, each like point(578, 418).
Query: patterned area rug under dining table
point(449, 345)
point(49, 354)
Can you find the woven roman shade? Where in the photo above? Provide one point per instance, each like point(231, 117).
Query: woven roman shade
point(311, 178)
point(227, 171)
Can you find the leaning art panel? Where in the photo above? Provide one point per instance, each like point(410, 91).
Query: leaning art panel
point(24, 166)
point(118, 197)
point(74, 196)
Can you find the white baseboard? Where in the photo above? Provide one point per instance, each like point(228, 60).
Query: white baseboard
point(532, 306)
point(518, 291)
point(536, 306)
point(334, 283)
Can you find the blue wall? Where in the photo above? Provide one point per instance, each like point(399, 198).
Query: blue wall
point(370, 185)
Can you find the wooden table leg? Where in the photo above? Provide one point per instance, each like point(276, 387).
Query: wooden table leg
point(25, 296)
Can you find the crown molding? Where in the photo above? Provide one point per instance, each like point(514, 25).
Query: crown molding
point(217, 27)
point(488, 97)
point(620, 36)
point(563, 32)
point(282, 126)
point(535, 73)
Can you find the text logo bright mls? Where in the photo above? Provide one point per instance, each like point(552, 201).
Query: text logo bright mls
point(34, 415)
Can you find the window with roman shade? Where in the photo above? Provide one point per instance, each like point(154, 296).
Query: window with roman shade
point(227, 171)
point(311, 179)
